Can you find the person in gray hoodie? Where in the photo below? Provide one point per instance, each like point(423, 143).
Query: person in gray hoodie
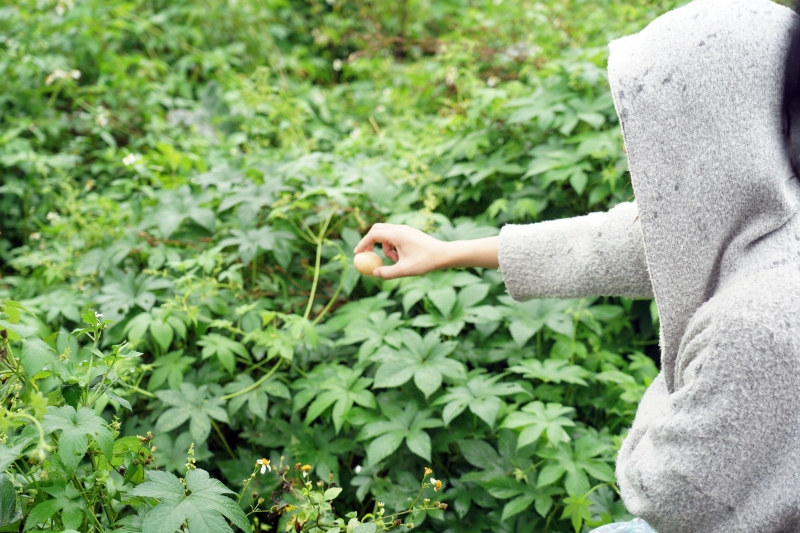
point(714, 236)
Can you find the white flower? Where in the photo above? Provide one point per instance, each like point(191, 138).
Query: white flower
point(356, 133)
point(264, 465)
point(492, 81)
point(53, 217)
point(380, 109)
point(357, 469)
point(337, 65)
point(57, 74)
point(102, 117)
point(35, 236)
point(98, 316)
point(130, 159)
point(451, 75)
point(75, 74)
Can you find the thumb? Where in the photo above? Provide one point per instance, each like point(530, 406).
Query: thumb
point(387, 272)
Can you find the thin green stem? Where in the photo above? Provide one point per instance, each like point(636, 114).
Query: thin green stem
point(320, 241)
point(223, 439)
point(255, 385)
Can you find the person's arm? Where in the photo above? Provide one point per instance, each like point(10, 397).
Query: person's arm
point(593, 255)
point(599, 254)
point(415, 252)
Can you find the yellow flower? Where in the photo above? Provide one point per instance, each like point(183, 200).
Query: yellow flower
point(435, 483)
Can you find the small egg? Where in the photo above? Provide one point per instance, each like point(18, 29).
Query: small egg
point(367, 262)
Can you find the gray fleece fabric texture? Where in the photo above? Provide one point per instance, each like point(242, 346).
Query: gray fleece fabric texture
point(714, 235)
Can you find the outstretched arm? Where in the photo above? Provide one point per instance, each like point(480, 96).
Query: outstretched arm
point(599, 254)
point(593, 255)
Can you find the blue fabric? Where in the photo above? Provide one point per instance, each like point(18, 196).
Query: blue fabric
point(636, 525)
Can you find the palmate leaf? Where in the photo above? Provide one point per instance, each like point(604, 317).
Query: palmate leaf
point(425, 359)
point(250, 198)
point(190, 404)
point(552, 371)
point(342, 390)
point(536, 420)
point(202, 504)
point(409, 425)
point(174, 207)
point(76, 427)
point(224, 348)
point(66, 499)
point(575, 462)
point(249, 241)
point(481, 394)
point(527, 318)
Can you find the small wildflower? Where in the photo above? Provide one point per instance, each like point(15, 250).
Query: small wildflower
point(435, 483)
point(337, 65)
point(306, 469)
point(428, 471)
point(492, 81)
point(35, 236)
point(451, 75)
point(357, 469)
point(356, 133)
point(380, 108)
point(75, 74)
point(264, 465)
point(98, 316)
point(102, 117)
point(130, 160)
point(53, 217)
point(381, 504)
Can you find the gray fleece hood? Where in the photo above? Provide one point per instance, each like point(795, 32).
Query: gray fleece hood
point(699, 96)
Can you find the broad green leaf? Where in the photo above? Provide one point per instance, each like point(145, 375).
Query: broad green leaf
point(536, 420)
point(552, 371)
point(192, 404)
point(204, 508)
point(35, 356)
point(76, 428)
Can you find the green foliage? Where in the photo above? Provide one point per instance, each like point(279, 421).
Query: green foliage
point(200, 171)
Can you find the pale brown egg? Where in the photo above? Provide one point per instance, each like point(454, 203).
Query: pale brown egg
point(367, 262)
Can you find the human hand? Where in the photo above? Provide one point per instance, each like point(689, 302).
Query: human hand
point(413, 251)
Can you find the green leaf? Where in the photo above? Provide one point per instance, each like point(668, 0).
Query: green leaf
point(249, 241)
point(66, 498)
point(224, 348)
point(481, 394)
point(517, 505)
point(192, 404)
point(8, 502)
point(35, 356)
point(342, 390)
point(577, 510)
point(426, 359)
point(552, 371)
point(536, 419)
point(76, 428)
point(204, 508)
point(332, 493)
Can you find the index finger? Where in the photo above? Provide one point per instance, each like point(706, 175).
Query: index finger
point(368, 241)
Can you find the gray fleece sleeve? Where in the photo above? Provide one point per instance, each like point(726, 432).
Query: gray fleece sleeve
point(599, 254)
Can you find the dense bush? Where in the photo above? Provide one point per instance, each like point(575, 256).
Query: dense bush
point(198, 172)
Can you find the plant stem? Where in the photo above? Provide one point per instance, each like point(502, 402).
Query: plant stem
point(223, 439)
point(320, 240)
point(255, 385)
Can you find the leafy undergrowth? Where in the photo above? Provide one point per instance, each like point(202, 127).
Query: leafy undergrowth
point(183, 185)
